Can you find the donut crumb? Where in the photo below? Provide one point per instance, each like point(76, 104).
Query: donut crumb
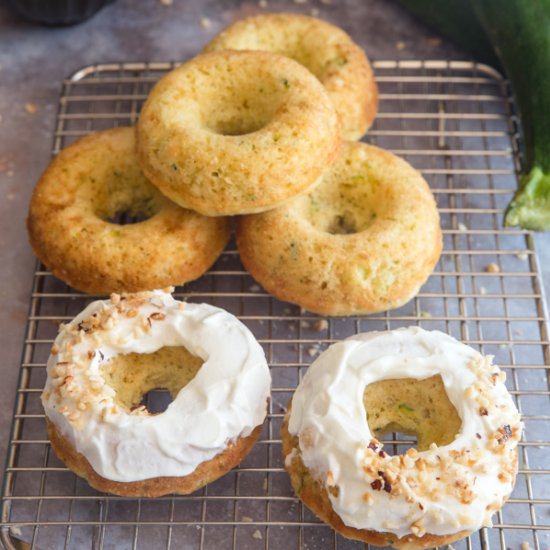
point(492, 268)
point(205, 23)
point(320, 325)
point(31, 108)
point(257, 534)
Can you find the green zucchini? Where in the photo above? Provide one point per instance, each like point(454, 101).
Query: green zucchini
point(456, 20)
point(519, 32)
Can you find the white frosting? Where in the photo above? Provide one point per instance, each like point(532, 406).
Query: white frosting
point(226, 399)
point(329, 417)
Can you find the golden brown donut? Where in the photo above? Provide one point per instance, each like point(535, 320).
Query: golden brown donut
point(89, 183)
point(362, 241)
point(237, 132)
point(326, 50)
point(416, 382)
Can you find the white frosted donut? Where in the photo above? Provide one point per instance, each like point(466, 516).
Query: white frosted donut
point(226, 399)
point(444, 491)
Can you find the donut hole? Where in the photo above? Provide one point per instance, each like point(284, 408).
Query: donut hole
point(340, 207)
point(418, 408)
point(150, 380)
point(125, 197)
point(240, 108)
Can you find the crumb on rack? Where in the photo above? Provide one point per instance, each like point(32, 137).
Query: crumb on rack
point(525, 545)
point(248, 519)
point(400, 45)
point(166, 2)
point(262, 3)
point(462, 227)
point(321, 324)
point(257, 534)
point(254, 288)
point(425, 314)
point(31, 108)
point(522, 255)
point(492, 268)
point(314, 12)
point(313, 350)
point(482, 290)
point(305, 324)
point(205, 23)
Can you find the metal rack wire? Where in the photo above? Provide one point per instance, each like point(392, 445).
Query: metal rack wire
point(453, 121)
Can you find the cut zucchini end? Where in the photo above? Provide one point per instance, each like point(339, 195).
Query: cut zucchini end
point(530, 207)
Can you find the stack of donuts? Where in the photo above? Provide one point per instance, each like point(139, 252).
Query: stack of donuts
point(262, 126)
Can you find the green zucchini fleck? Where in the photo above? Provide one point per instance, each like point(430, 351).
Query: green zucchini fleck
point(406, 409)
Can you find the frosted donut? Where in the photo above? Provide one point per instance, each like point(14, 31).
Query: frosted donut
point(364, 240)
point(237, 132)
point(417, 382)
point(327, 51)
point(114, 352)
point(89, 183)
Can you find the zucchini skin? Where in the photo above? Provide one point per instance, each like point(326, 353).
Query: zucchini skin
point(520, 33)
point(456, 20)
point(513, 35)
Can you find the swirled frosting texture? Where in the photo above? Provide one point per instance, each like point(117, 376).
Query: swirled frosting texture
point(225, 400)
point(440, 491)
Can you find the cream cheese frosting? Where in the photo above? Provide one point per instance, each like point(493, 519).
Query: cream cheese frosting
point(226, 399)
point(441, 491)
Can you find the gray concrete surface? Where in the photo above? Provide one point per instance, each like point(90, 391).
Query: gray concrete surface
point(34, 60)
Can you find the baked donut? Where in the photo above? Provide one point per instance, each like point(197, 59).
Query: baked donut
point(89, 183)
point(237, 132)
point(327, 51)
point(413, 381)
point(362, 241)
point(117, 350)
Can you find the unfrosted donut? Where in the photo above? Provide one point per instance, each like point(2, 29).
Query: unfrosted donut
point(412, 381)
point(327, 51)
point(117, 350)
point(364, 240)
point(89, 183)
point(237, 132)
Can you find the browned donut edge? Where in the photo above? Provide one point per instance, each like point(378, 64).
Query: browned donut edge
point(154, 487)
point(314, 495)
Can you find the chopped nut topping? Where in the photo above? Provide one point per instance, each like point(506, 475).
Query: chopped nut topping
point(376, 484)
point(157, 316)
point(367, 499)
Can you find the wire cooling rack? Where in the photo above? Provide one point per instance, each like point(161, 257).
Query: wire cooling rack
point(454, 121)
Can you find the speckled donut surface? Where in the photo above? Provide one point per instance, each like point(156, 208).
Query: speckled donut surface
point(237, 132)
point(364, 240)
point(463, 468)
point(90, 182)
point(326, 50)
